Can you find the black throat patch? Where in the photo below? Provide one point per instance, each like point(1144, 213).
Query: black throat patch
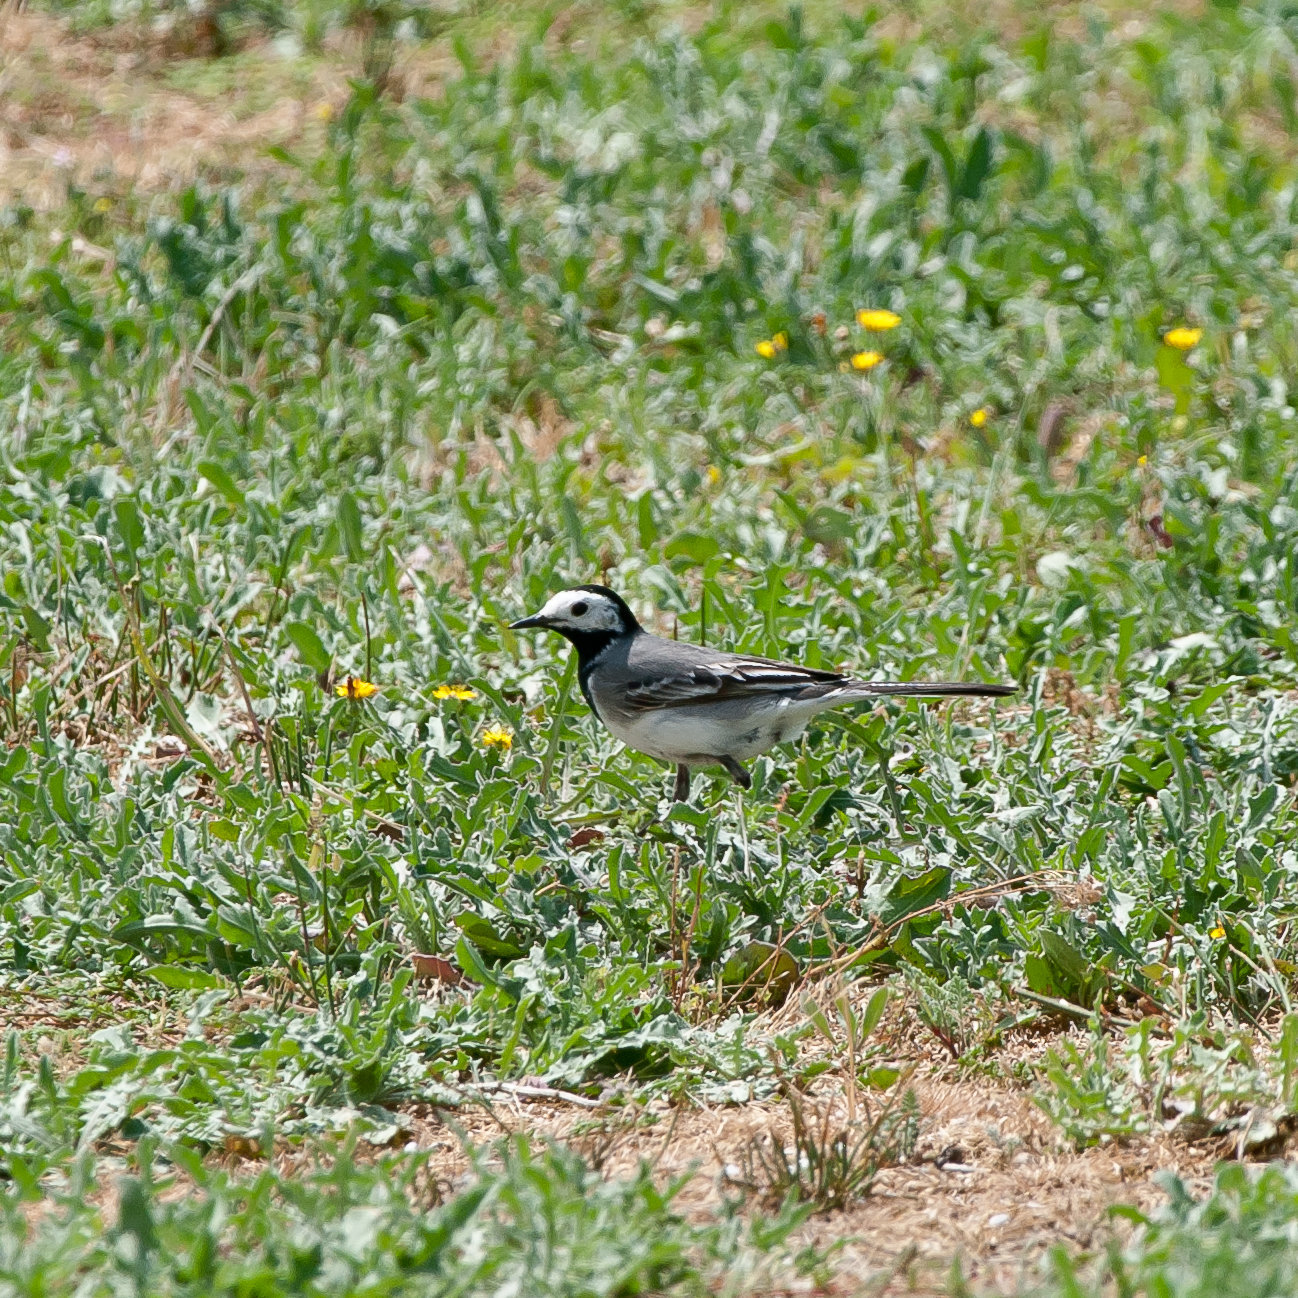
point(590, 647)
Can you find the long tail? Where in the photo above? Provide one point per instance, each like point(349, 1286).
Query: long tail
point(921, 689)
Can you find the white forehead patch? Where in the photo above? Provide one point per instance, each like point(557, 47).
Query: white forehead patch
point(583, 609)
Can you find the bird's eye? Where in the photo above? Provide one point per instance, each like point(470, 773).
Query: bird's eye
point(579, 608)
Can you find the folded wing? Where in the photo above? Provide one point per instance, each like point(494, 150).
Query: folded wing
point(734, 678)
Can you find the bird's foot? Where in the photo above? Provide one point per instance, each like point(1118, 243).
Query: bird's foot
point(737, 773)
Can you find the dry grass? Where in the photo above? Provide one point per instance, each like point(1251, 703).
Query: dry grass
point(991, 1181)
point(132, 116)
point(131, 108)
point(1014, 1192)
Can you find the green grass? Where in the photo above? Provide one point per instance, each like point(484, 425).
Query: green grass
point(352, 416)
point(1237, 1241)
point(536, 1218)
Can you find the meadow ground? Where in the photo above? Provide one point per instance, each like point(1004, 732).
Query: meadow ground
point(334, 335)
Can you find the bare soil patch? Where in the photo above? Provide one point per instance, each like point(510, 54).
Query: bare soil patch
point(125, 112)
point(1015, 1192)
point(134, 107)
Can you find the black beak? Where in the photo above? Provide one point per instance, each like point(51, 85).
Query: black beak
point(524, 623)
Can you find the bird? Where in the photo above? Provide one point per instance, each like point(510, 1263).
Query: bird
point(692, 706)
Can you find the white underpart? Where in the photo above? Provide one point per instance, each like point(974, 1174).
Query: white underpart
point(739, 730)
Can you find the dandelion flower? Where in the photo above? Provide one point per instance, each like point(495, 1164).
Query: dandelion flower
point(714, 475)
point(781, 341)
point(355, 688)
point(1217, 932)
point(103, 204)
point(1183, 338)
point(497, 737)
point(866, 360)
point(979, 417)
point(879, 321)
point(1143, 460)
point(766, 349)
point(454, 692)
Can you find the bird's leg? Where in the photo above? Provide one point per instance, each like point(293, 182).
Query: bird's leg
point(682, 792)
point(737, 773)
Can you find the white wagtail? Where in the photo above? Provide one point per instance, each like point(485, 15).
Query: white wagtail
point(693, 706)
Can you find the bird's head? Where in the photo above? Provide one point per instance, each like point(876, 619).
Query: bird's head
point(584, 614)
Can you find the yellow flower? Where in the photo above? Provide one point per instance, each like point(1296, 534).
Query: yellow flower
point(979, 417)
point(1143, 460)
point(1217, 932)
point(866, 360)
point(324, 110)
point(714, 475)
point(781, 341)
point(766, 349)
point(354, 688)
point(497, 737)
point(877, 320)
point(103, 205)
point(1183, 338)
point(454, 692)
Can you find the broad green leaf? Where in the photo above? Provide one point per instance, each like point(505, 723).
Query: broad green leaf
point(483, 936)
point(220, 478)
point(351, 527)
point(309, 646)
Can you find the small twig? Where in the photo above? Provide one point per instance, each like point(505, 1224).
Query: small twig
point(328, 931)
point(680, 943)
point(882, 937)
point(243, 688)
point(1077, 1011)
point(306, 933)
point(365, 613)
point(542, 1093)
